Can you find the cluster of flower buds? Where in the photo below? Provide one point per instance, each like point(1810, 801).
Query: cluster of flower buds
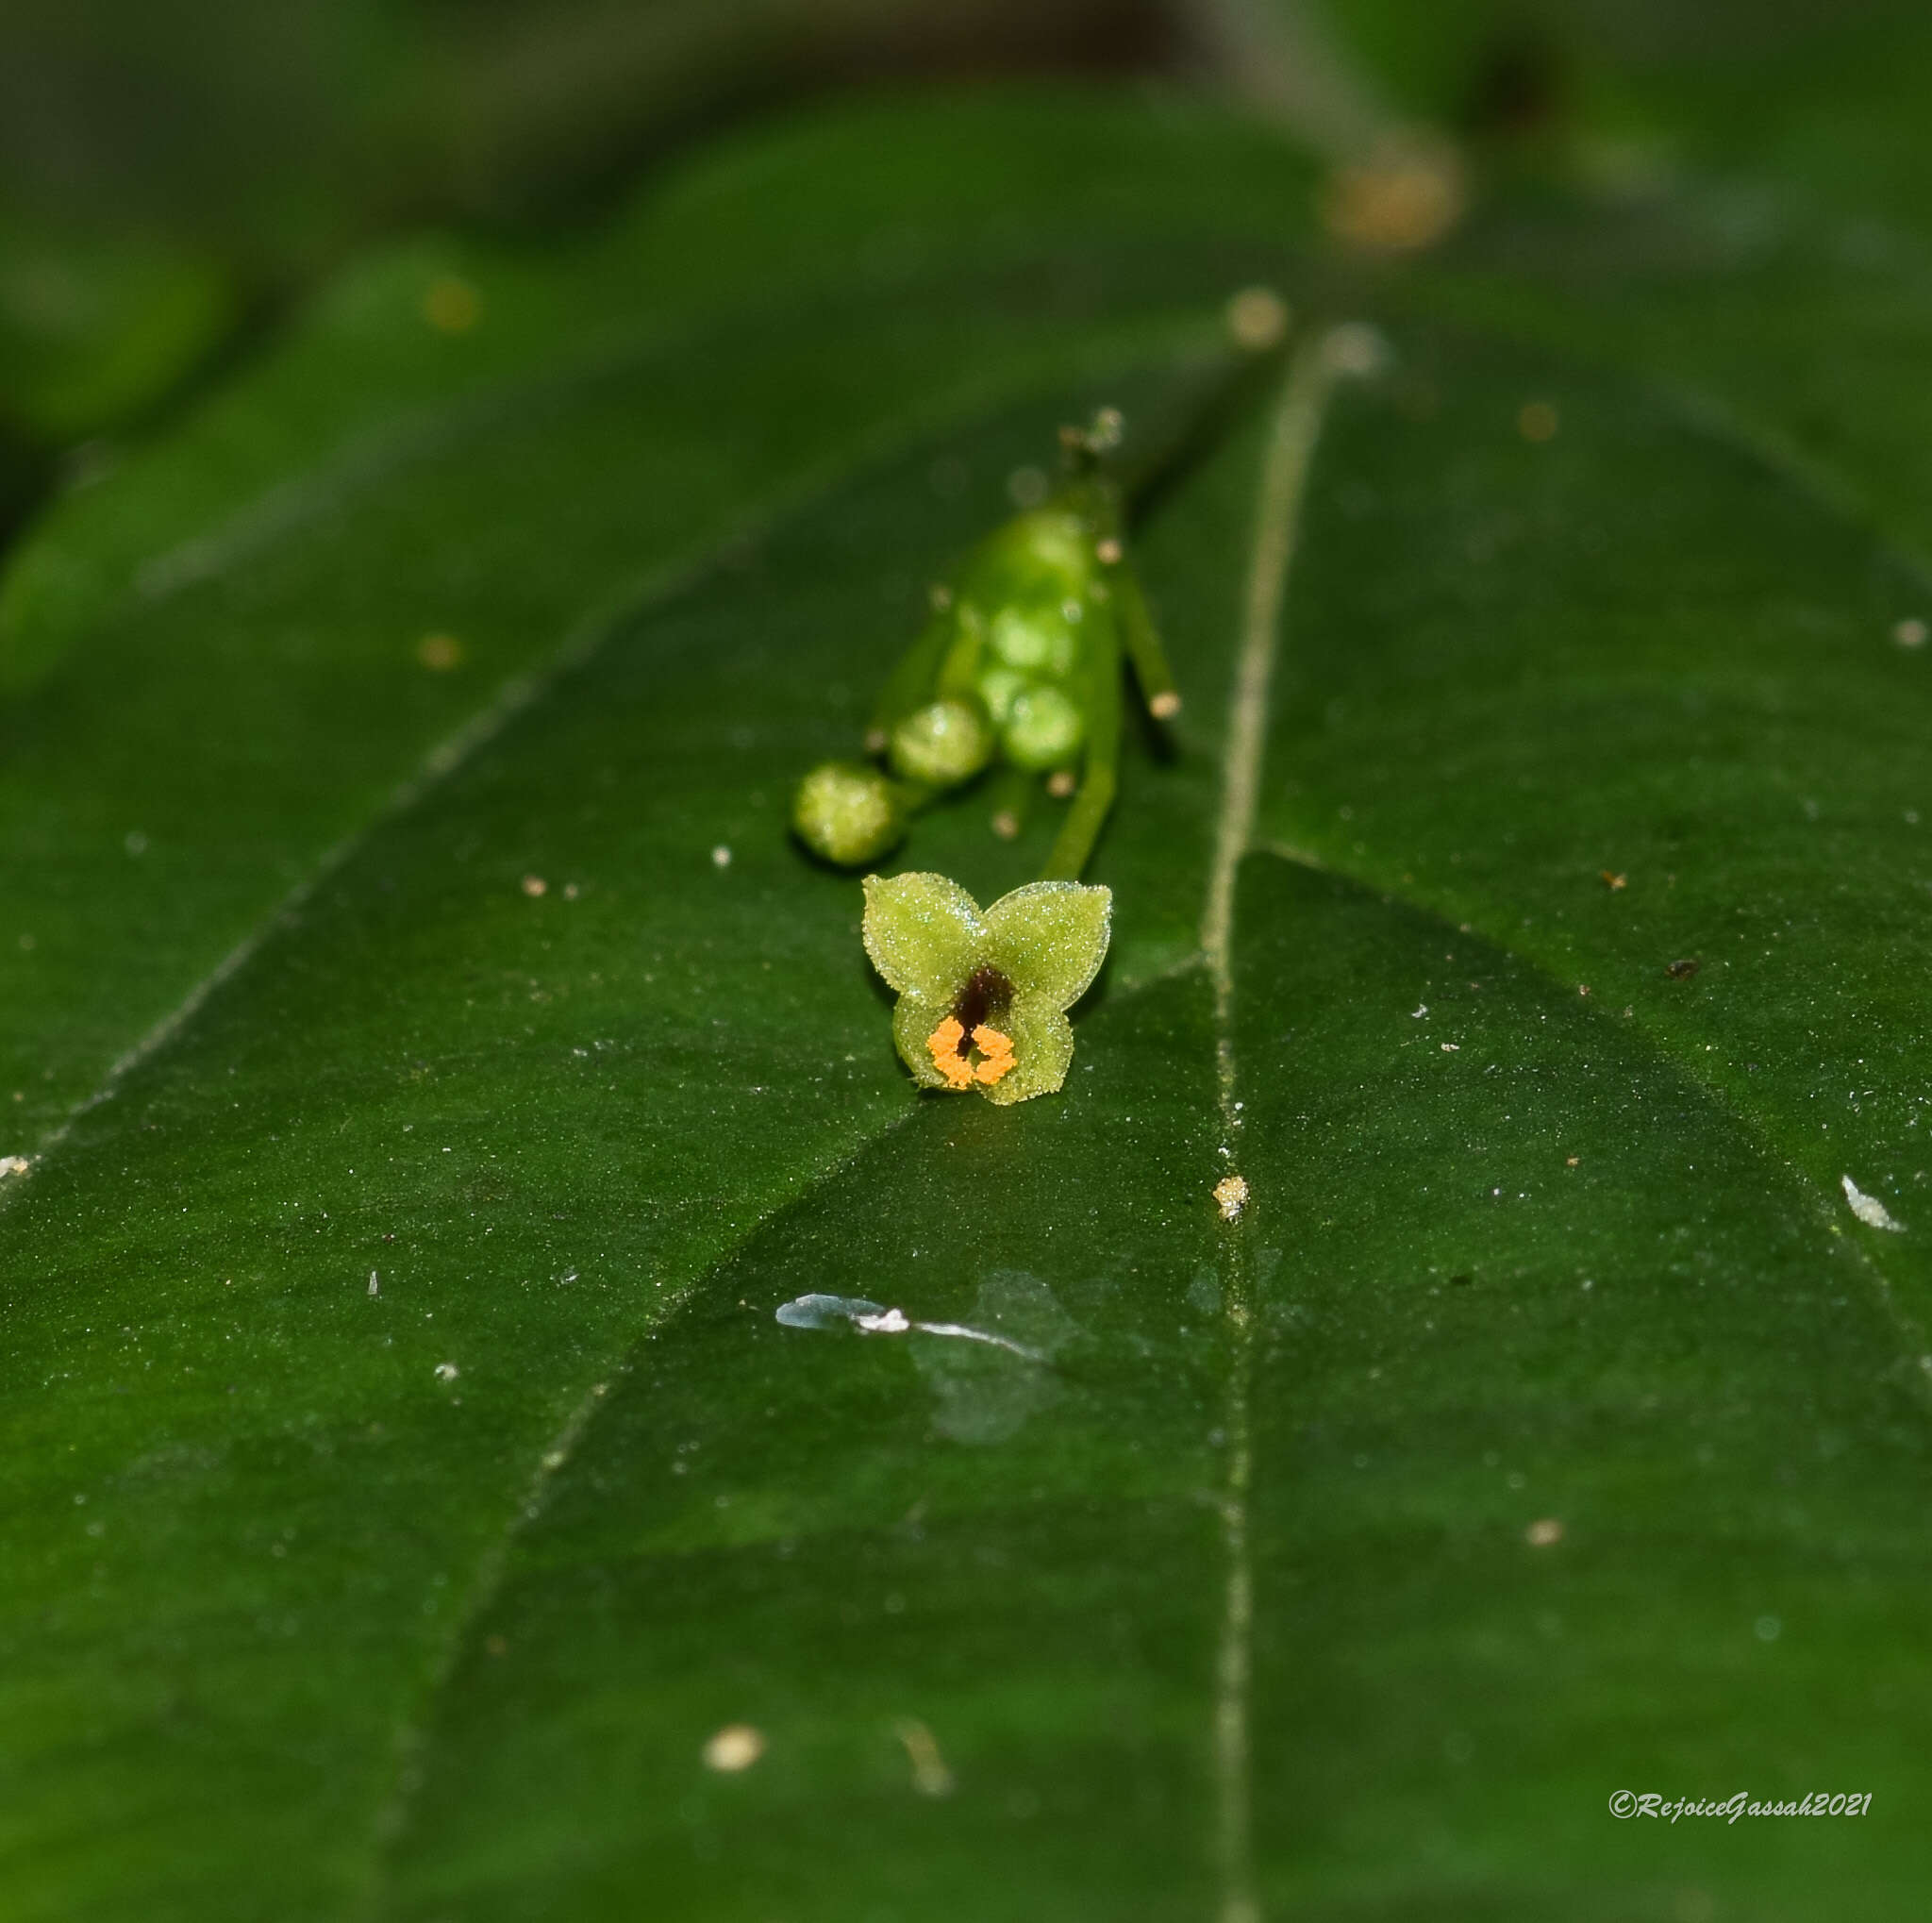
point(1019, 668)
point(1019, 665)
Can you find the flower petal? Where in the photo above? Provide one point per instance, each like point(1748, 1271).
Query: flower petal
point(923, 932)
point(1050, 938)
point(1043, 1042)
point(913, 1022)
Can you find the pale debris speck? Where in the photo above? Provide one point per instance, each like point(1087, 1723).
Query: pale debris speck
point(1869, 1209)
point(1910, 633)
point(1416, 1014)
point(375, 1283)
point(1537, 420)
point(1354, 350)
point(930, 1776)
point(1231, 1196)
point(1026, 487)
point(721, 856)
point(535, 885)
point(736, 1746)
point(451, 305)
point(1543, 1532)
point(1404, 197)
point(14, 1165)
point(1257, 319)
point(446, 1372)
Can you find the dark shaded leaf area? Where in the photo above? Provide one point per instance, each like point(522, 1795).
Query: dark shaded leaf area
point(438, 1067)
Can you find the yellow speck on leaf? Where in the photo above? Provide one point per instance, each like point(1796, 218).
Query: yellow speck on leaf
point(1257, 319)
point(1406, 197)
point(440, 652)
point(736, 1746)
point(1537, 420)
point(451, 306)
point(1231, 1196)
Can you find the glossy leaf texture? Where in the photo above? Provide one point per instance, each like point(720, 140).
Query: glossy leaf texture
point(420, 1510)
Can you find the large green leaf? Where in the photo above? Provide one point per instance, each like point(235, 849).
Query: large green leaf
point(409, 1471)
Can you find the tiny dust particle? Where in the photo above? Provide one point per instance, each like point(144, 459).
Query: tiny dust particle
point(1231, 1196)
point(1613, 881)
point(736, 1746)
point(1537, 420)
point(1910, 633)
point(439, 653)
point(451, 306)
point(1405, 196)
point(1257, 319)
point(1683, 969)
point(721, 856)
point(1543, 1532)
point(535, 885)
point(930, 1776)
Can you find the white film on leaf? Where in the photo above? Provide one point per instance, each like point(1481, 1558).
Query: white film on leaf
point(987, 1380)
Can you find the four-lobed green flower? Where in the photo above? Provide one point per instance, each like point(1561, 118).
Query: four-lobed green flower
point(982, 995)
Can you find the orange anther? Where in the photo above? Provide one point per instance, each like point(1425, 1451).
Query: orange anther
point(996, 1054)
point(944, 1046)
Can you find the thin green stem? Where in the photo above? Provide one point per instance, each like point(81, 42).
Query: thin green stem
point(1100, 772)
point(1162, 445)
point(1142, 643)
point(1009, 799)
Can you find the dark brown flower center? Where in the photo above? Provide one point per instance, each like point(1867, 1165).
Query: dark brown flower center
point(988, 995)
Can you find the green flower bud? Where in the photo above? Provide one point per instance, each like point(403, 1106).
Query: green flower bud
point(942, 744)
point(847, 813)
point(1043, 729)
point(999, 688)
point(1038, 637)
point(1047, 556)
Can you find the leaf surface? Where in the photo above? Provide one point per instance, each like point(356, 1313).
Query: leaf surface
point(415, 1475)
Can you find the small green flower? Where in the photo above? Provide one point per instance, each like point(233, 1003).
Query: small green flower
point(983, 996)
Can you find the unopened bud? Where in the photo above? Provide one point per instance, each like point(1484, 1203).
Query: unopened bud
point(847, 813)
point(942, 744)
point(1043, 729)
